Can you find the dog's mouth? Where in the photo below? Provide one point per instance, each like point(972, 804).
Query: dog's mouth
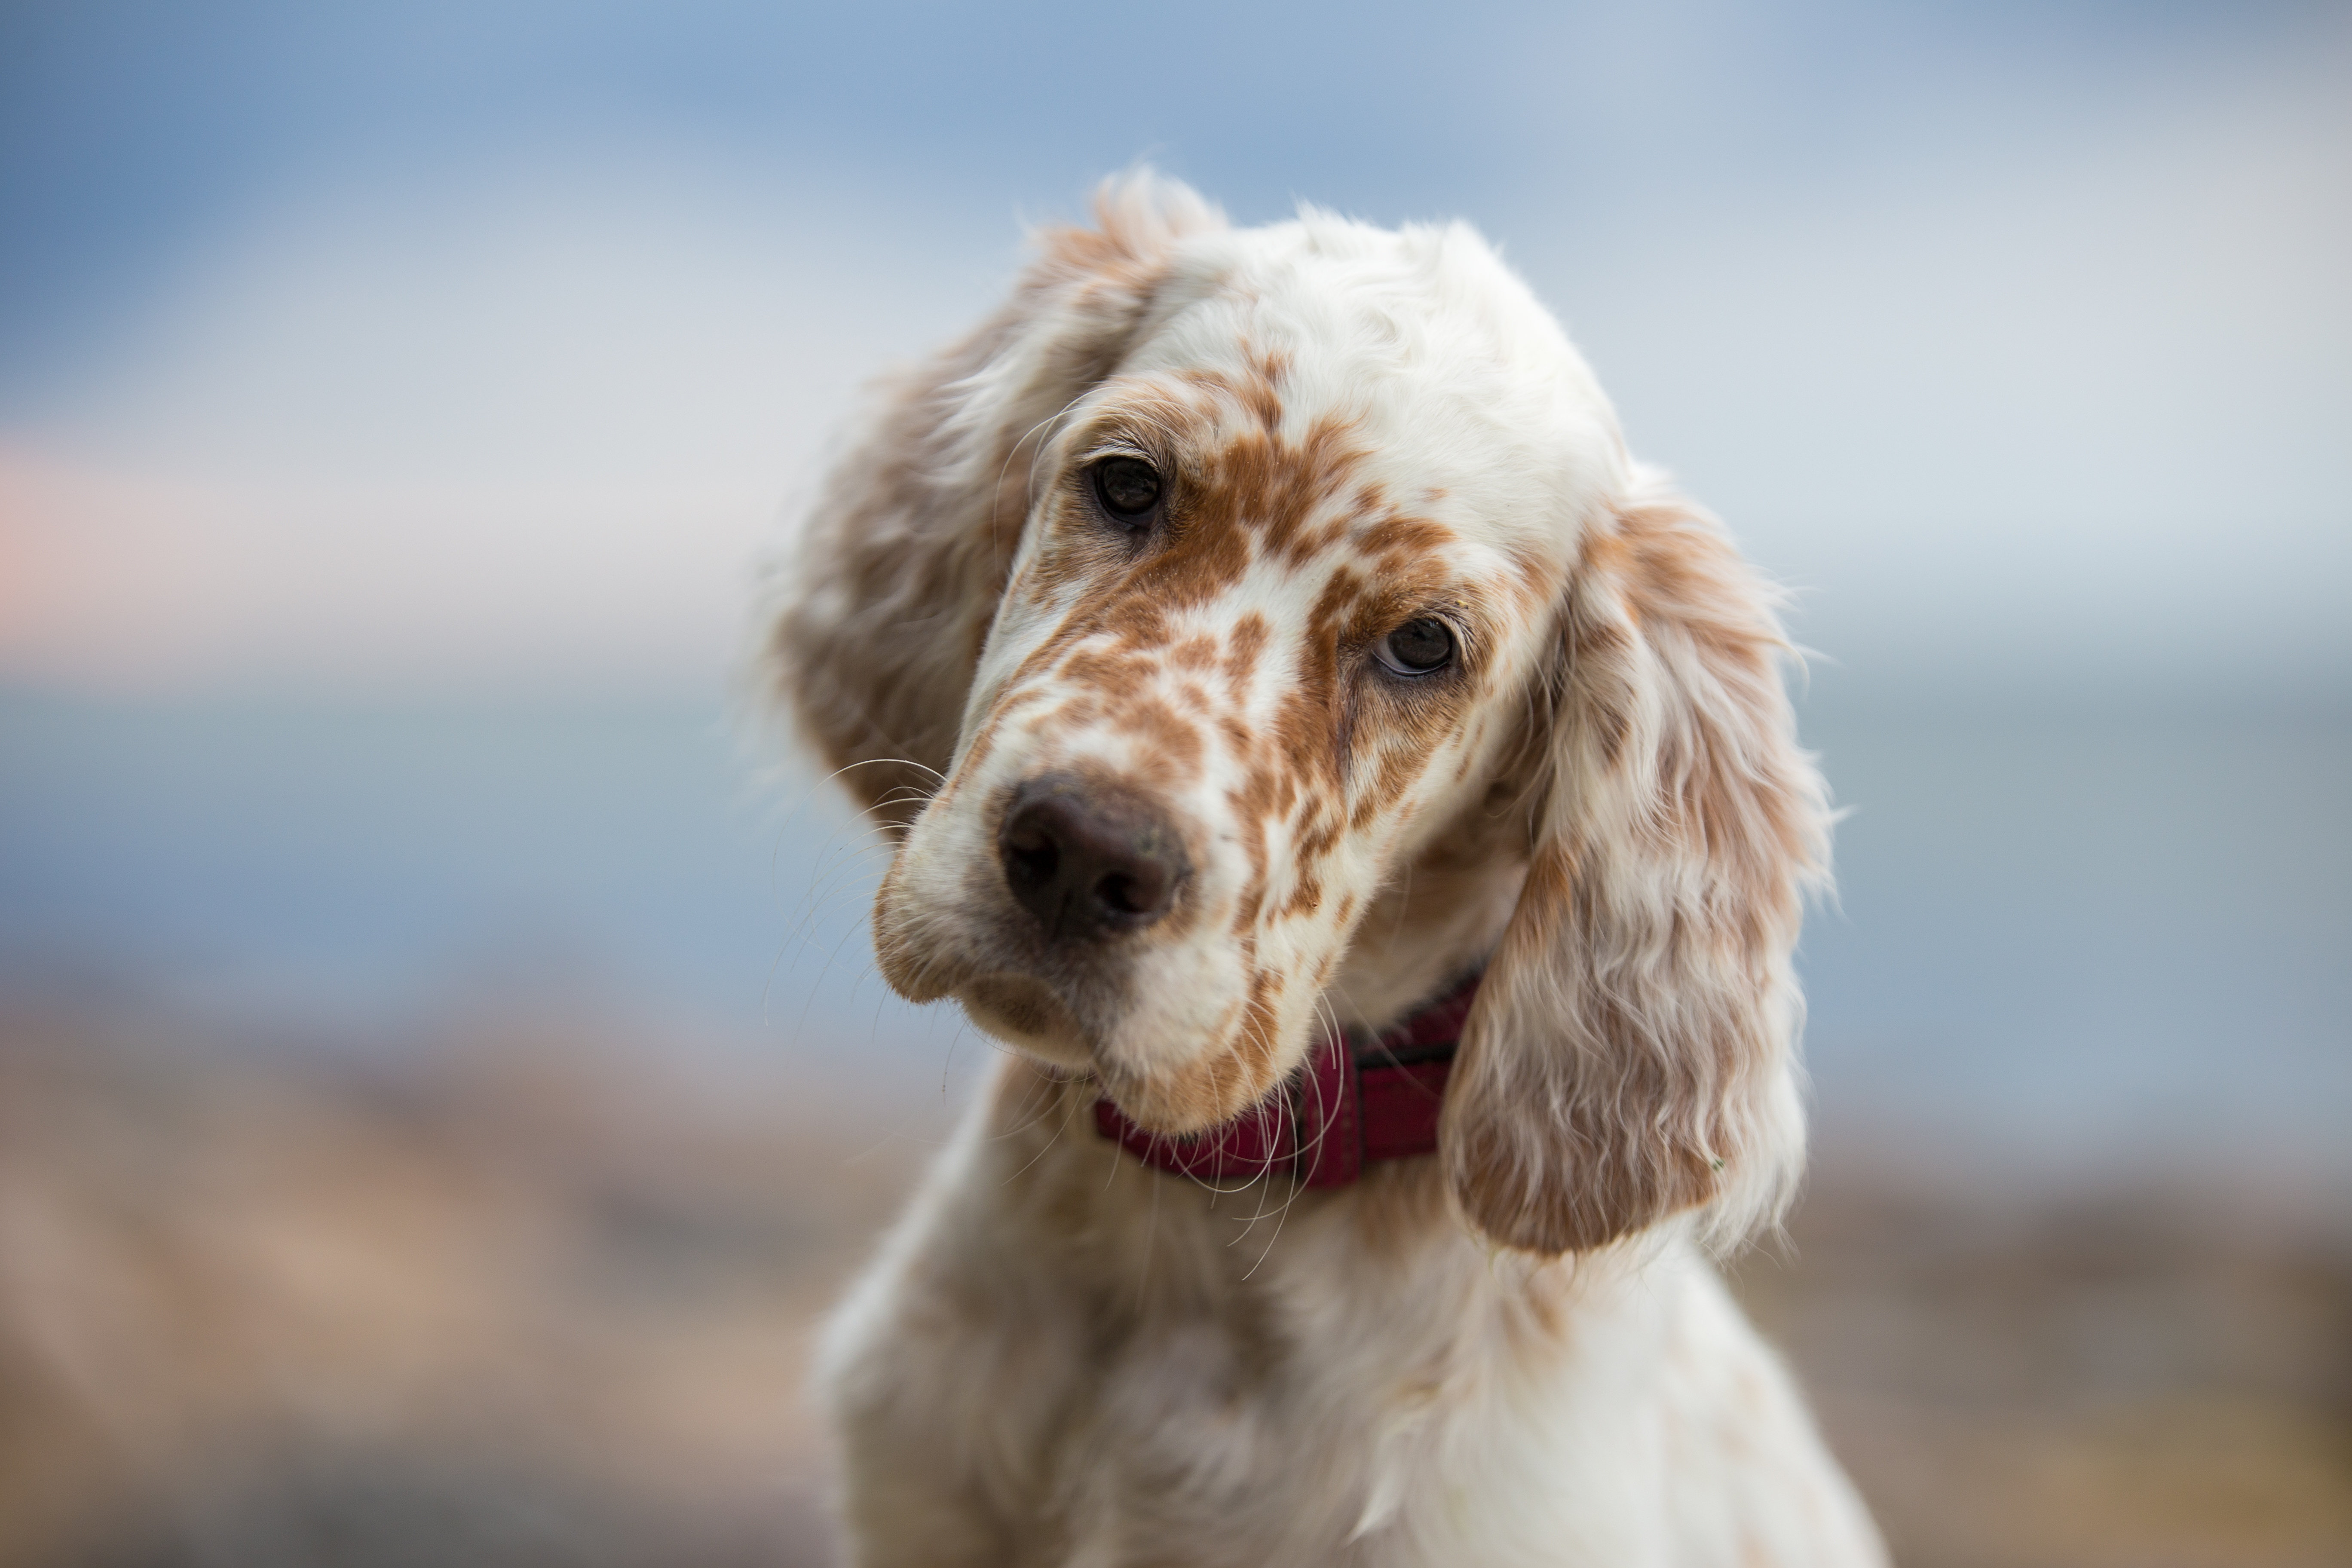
point(1169, 1035)
point(1169, 1057)
point(1029, 1014)
point(1081, 920)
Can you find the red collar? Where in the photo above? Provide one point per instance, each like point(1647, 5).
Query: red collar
point(1356, 1100)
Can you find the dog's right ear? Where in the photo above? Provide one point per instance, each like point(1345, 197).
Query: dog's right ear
point(878, 614)
point(1631, 1053)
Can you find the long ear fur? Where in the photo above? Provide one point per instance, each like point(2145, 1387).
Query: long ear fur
point(1631, 1053)
point(879, 612)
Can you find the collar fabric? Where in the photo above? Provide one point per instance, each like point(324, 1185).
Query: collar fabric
point(1358, 1099)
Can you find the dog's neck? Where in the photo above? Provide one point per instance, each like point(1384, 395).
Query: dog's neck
point(1439, 919)
point(1358, 1099)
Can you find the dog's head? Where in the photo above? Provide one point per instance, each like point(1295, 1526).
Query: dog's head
point(1228, 585)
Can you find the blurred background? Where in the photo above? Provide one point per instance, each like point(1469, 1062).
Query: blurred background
point(441, 1072)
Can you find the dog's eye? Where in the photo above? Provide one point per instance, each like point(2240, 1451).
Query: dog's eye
point(1128, 488)
point(1418, 648)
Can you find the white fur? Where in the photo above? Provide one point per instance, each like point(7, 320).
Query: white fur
point(1013, 1389)
point(1514, 1353)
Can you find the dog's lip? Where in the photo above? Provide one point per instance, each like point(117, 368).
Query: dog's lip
point(1028, 1014)
point(1039, 1017)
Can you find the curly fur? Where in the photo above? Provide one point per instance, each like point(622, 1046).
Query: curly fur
point(1512, 1352)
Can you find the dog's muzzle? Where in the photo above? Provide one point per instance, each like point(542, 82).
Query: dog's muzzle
point(1089, 858)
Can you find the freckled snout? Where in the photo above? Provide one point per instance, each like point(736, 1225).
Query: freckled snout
point(1089, 858)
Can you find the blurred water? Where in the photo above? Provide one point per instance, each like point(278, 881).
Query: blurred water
point(2117, 934)
point(352, 869)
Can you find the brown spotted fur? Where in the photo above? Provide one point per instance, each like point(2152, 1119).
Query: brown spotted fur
point(1061, 1358)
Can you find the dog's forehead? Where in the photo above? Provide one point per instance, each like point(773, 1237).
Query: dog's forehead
point(1453, 390)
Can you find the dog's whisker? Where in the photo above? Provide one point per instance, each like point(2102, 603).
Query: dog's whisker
point(1053, 1138)
point(1047, 1088)
point(800, 934)
point(884, 762)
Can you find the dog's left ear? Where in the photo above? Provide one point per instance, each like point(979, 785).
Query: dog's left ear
point(1632, 1052)
point(878, 614)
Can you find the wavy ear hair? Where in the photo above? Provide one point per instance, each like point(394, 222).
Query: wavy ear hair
point(1631, 1053)
point(878, 615)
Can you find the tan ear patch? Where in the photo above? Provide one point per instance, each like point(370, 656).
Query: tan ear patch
point(1631, 1055)
point(916, 527)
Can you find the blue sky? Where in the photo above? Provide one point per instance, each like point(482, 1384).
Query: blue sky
point(131, 132)
point(2015, 336)
point(368, 354)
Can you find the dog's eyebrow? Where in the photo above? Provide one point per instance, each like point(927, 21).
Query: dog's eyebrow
point(1148, 416)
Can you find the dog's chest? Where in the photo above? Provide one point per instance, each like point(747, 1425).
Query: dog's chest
point(1351, 1402)
point(1066, 1359)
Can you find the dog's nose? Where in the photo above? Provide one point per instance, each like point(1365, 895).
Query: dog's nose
point(1089, 858)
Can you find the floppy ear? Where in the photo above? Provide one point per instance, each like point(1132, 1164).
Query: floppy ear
point(878, 614)
point(1632, 1051)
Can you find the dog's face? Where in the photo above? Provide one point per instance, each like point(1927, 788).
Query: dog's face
point(1285, 580)
point(1223, 587)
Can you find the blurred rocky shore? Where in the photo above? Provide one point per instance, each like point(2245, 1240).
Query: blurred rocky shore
point(513, 1298)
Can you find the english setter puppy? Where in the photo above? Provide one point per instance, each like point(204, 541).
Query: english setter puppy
point(1287, 657)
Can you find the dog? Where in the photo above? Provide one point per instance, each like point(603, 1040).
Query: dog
point(1366, 802)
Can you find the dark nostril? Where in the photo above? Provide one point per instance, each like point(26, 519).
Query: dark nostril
point(1088, 858)
point(1030, 854)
